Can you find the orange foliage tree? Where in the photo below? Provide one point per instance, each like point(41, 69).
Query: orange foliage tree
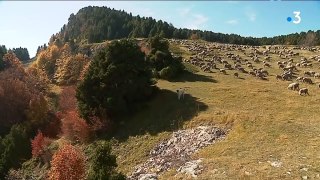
point(73, 127)
point(17, 89)
point(67, 99)
point(38, 144)
point(59, 65)
point(68, 163)
point(38, 110)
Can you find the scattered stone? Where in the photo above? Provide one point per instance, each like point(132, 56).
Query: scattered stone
point(247, 173)
point(304, 177)
point(176, 151)
point(148, 177)
point(192, 167)
point(276, 164)
point(215, 171)
point(304, 169)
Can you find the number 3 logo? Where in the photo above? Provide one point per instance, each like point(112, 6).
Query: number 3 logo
point(297, 16)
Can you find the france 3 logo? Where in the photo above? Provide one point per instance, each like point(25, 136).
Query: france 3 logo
point(297, 17)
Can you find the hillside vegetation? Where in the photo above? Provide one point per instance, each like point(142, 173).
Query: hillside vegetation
point(105, 93)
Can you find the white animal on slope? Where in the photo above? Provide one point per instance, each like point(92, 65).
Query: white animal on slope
point(294, 86)
point(303, 91)
point(180, 93)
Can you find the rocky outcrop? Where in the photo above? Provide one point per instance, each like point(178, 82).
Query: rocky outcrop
point(176, 152)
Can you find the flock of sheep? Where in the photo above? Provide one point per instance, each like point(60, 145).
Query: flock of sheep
point(256, 61)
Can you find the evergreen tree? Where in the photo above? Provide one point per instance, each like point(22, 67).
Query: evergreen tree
point(116, 80)
point(103, 164)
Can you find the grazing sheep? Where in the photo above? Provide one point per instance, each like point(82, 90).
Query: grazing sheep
point(316, 75)
point(278, 77)
point(223, 71)
point(266, 65)
point(307, 80)
point(308, 73)
point(303, 91)
point(287, 77)
point(300, 79)
point(180, 93)
point(260, 75)
point(252, 73)
point(293, 86)
point(236, 74)
point(227, 66)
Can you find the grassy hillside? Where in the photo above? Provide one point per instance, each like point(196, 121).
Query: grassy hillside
point(267, 124)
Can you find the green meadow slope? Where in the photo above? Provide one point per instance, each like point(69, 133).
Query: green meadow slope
point(267, 123)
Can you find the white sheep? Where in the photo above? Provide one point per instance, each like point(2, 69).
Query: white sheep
point(180, 93)
point(303, 91)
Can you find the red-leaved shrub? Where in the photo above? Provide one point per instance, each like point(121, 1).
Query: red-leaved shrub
point(38, 144)
point(75, 128)
point(67, 99)
point(68, 163)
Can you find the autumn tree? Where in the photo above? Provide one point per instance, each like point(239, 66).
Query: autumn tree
point(67, 99)
point(194, 36)
point(68, 163)
point(20, 96)
point(75, 128)
point(38, 110)
point(38, 144)
point(311, 39)
point(15, 92)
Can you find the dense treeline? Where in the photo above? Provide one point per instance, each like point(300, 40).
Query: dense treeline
point(23, 110)
point(21, 53)
point(3, 51)
point(41, 48)
point(95, 24)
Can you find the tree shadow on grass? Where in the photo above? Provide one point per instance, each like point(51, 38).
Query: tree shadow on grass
point(187, 76)
point(163, 113)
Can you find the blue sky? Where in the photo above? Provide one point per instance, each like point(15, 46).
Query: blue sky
point(30, 24)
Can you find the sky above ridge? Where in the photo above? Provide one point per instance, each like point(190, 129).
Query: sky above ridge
point(30, 24)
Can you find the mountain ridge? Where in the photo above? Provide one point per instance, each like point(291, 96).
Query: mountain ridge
point(94, 24)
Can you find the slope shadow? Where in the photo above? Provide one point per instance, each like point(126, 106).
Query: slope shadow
point(187, 76)
point(163, 113)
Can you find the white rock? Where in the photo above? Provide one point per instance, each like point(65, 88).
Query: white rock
point(148, 177)
point(192, 168)
point(304, 169)
point(177, 150)
point(276, 164)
